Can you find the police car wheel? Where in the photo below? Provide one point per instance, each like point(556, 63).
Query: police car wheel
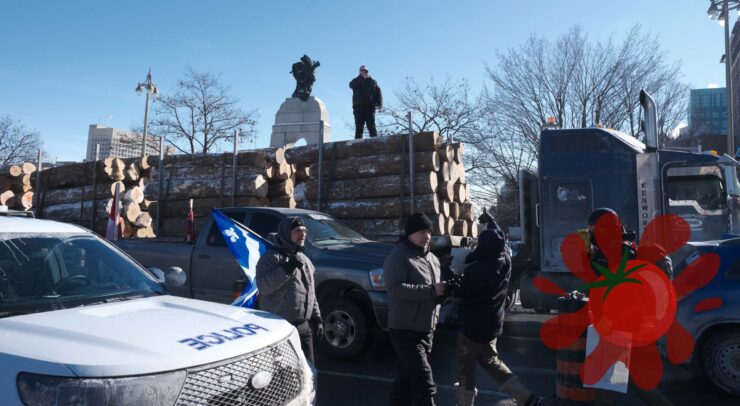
point(346, 330)
point(721, 360)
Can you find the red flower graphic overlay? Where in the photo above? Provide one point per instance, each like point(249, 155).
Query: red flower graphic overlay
point(632, 303)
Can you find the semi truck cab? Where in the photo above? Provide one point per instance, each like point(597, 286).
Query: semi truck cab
point(583, 169)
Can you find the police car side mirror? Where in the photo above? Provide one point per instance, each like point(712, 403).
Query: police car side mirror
point(158, 274)
point(175, 277)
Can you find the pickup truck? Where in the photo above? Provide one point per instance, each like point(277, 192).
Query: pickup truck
point(349, 271)
point(711, 314)
point(83, 324)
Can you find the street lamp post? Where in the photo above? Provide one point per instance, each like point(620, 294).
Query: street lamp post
point(720, 10)
point(151, 89)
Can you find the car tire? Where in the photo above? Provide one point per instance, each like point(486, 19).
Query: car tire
point(346, 328)
point(720, 356)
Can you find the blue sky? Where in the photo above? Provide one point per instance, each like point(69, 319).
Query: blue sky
point(66, 65)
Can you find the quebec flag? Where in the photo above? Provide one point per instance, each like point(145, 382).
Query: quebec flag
point(247, 247)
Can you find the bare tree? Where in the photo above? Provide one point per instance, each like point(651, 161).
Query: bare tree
point(17, 143)
point(580, 84)
point(201, 115)
point(446, 107)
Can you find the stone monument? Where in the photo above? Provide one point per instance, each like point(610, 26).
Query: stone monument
point(299, 117)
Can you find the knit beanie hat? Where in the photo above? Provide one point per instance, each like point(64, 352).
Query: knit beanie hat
point(417, 222)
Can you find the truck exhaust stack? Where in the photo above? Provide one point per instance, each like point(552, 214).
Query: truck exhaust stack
point(651, 120)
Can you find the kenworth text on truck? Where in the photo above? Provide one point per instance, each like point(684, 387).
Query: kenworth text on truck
point(583, 169)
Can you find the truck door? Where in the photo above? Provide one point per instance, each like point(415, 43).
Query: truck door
point(565, 204)
point(214, 268)
point(699, 194)
point(528, 218)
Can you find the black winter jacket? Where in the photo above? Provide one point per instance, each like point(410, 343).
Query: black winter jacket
point(483, 289)
point(366, 93)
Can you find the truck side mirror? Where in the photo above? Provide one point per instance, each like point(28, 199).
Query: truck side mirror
point(175, 277)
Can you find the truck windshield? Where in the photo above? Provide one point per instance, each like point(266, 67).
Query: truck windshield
point(325, 230)
point(43, 272)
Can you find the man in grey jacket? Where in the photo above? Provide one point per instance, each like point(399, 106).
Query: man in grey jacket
point(413, 281)
point(285, 278)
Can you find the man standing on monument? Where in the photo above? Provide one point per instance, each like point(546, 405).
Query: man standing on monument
point(366, 97)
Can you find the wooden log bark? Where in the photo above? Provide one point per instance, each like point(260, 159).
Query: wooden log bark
point(28, 168)
point(461, 173)
point(446, 153)
point(281, 171)
point(467, 211)
point(446, 191)
point(455, 210)
point(459, 151)
point(202, 207)
point(460, 228)
point(7, 198)
point(281, 189)
point(144, 220)
point(309, 154)
point(177, 189)
point(450, 225)
point(71, 212)
point(377, 165)
point(303, 173)
point(444, 208)
point(131, 211)
point(134, 194)
point(127, 229)
point(288, 202)
point(454, 172)
point(472, 229)
point(114, 167)
point(387, 207)
point(74, 194)
point(24, 201)
point(21, 184)
point(147, 232)
point(381, 186)
point(444, 171)
point(121, 188)
point(132, 172)
point(72, 175)
point(5, 182)
point(439, 225)
point(210, 172)
point(15, 170)
point(460, 193)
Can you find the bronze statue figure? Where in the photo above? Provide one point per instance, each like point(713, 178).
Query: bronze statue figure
point(303, 73)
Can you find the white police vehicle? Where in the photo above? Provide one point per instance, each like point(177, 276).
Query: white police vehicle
point(83, 324)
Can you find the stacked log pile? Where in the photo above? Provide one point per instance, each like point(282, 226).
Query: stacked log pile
point(366, 184)
point(16, 186)
point(84, 194)
point(263, 177)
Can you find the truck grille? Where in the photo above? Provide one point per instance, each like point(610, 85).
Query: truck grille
point(228, 382)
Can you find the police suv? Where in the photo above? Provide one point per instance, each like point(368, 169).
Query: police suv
point(83, 324)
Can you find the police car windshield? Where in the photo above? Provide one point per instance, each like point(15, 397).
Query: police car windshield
point(43, 272)
point(325, 230)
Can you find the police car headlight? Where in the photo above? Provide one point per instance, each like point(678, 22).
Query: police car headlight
point(159, 389)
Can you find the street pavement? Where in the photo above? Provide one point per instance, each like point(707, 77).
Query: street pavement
point(368, 379)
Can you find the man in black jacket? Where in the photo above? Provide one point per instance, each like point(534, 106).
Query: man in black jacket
point(483, 289)
point(285, 276)
point(366, 97)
